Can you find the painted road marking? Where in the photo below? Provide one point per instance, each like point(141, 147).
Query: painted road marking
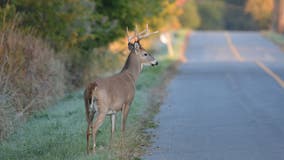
point(261, 65)
point(271, 73)
point(234, 50)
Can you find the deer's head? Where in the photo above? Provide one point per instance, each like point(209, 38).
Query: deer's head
point(145, 58)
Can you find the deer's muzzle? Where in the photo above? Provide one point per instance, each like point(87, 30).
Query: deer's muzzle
point(155, 63)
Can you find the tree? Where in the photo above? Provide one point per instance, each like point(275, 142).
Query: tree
point(190, 17)
point(84, 24)
point(261, 11)
point(212, 14)
point(168, 17)
point(236, 18)
point(278, 16)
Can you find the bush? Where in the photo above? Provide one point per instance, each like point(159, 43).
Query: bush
point(30, 77)
point(190, 17)
point(237, 19)
point(211, 13)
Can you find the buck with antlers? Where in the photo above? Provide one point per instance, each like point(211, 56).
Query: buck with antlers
point(107, 96)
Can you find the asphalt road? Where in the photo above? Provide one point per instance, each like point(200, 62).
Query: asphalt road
point(226, 102)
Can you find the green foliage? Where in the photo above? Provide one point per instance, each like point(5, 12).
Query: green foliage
point(58, 132)
point(76, 32)
point(31, 77)
point(64, 23)
point(84, 24)
point(261, 11)
point(212, 14)
point(276, 38)
point(190, 17)
point(167, 18)
point(233, 15)
point(7, 11)
point(78, 26)
point(236, 19)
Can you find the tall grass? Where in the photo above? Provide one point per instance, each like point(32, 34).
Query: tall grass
point(30, 77)
point(58, 132)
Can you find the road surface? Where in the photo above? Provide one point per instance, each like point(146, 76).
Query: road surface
point(226, 102)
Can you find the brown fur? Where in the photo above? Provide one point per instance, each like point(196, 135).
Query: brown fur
point(88, 98)
point(113, 94)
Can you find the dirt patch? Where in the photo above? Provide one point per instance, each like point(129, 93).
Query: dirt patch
point(156, 99)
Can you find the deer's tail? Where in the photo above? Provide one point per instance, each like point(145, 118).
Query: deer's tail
point(88, 98)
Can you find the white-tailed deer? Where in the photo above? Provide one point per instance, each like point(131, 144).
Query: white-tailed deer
point(107, 96)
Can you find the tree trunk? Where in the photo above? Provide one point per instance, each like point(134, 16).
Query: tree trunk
point(275, 15)
point(280, 26)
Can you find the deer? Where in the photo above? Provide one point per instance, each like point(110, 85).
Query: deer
point(110, 95)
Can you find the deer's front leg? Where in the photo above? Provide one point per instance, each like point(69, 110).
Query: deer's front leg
point(112, 119)
point(99, 121)
point(124, 114)
point(88, 136)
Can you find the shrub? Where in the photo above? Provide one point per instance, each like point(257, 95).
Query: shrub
point(30, 77)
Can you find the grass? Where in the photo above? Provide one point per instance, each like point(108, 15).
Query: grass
point(58, 132)
point(276, 38)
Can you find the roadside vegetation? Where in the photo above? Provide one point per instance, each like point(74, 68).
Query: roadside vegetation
point(49, 50)
point(228, 14)
point(59, 131)
point(275, 37)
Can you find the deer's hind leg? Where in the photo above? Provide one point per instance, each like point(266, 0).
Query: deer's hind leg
point(99, 121)
point(89, 130)
point(112, 118)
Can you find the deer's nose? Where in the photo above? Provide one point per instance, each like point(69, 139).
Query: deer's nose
point(155, 64)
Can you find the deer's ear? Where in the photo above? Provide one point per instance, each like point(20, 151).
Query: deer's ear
point(130, 46)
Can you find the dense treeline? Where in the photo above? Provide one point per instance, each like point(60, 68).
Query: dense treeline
point(80, 26)
point(228, 14)
point(82, 23)
point(49, 47)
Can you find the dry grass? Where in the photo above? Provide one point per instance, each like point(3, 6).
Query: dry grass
point(30, 77)
point(59, 132)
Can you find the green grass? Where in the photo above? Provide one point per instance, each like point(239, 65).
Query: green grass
point(276, 38)
point(58, 133)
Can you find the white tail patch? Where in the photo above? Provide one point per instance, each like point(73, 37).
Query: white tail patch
point(93, 106)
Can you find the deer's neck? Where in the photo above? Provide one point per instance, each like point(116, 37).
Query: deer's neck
point(132, 66)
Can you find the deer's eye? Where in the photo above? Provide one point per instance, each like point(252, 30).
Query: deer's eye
point(145, 54)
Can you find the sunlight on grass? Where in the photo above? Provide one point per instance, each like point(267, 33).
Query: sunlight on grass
point(59, 132)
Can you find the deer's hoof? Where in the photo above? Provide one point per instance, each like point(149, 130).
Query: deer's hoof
point(94, 149)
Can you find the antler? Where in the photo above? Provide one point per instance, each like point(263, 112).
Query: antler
point(129, 37)
point(146, 33)
point(141, 35)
